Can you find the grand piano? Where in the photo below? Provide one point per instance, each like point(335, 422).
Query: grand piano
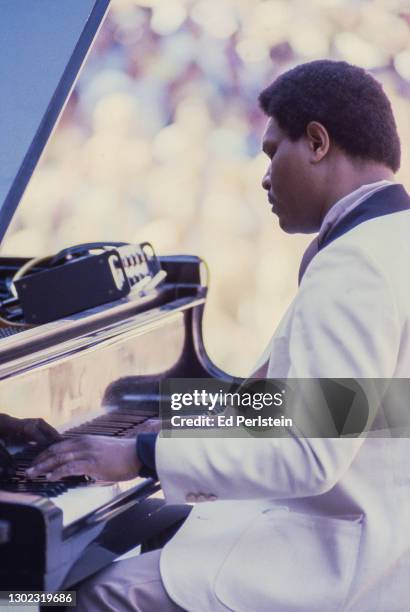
point(95, 371)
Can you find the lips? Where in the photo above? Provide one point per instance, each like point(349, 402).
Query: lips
point(272, 202)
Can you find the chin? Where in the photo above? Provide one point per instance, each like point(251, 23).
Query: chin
point(287, 227)
point(295, 228)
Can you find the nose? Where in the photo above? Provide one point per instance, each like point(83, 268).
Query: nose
point(266, 184)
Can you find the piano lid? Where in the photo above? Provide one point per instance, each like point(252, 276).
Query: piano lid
point(43, 44)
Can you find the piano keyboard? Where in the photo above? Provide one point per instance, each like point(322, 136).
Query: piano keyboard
point(7, 331)
point(17, 482)
point(120, 424)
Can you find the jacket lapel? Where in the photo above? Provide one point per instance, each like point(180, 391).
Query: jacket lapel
point(387, 201)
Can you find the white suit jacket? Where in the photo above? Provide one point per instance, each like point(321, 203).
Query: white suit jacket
point(307, 524)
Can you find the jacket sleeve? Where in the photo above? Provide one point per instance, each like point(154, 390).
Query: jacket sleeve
point(146, 443)
point(344, 324)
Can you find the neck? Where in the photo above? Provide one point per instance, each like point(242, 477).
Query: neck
point(350, 177)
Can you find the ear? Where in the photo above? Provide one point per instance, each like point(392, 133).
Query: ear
point(318, 141)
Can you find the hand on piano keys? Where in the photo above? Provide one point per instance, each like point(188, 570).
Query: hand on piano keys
point(99, 457)
point(15, 430)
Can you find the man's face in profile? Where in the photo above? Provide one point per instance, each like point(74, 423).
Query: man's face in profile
point(290, 181)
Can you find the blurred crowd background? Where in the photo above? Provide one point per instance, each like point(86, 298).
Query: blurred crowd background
point(161, 139)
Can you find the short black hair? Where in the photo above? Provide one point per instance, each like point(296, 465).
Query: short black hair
point(345, 99)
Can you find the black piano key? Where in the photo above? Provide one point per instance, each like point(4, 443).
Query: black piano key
point(88, 433)
point(120, 418)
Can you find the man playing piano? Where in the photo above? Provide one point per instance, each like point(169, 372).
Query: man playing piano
point(296, 523)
